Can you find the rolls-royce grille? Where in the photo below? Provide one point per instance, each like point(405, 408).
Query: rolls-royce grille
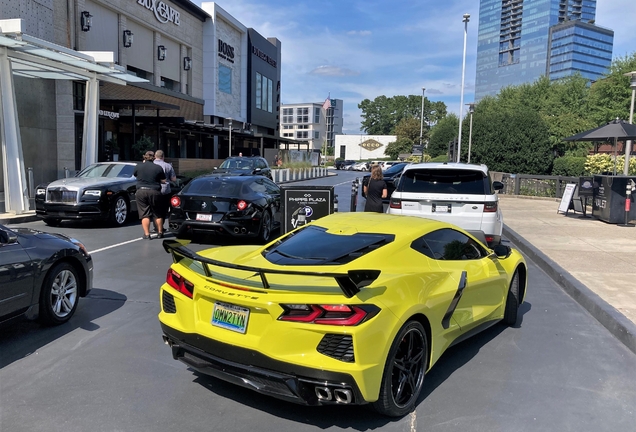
point(337, 346)
point(168, 303)
point(61, 196)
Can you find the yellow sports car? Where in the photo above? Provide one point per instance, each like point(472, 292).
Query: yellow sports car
point(352, 308)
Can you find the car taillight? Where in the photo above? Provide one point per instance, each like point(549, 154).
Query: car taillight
point(178, 282)
point(343, 315)
point(396, 203)
point(241, 205)
point(175, 201)
point(490, 239)
point(490, 207)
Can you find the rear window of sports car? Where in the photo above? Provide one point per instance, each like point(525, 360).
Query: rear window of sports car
point(315, 246)
point(213, 186)
point(445, 181)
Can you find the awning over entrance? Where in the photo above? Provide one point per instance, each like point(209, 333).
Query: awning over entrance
point(30, 57)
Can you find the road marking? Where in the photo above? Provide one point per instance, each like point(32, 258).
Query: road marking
point(114, 246)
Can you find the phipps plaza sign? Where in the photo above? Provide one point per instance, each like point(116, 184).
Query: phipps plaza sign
point(162, 11)
point(370, 145)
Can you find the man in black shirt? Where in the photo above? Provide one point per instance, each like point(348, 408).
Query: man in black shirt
point(149, 203)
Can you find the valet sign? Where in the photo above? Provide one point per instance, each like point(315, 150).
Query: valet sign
point(303, 204)
point(162, 11)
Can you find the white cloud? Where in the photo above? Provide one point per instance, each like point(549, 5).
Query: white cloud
point(333, 71)
point(359, 33)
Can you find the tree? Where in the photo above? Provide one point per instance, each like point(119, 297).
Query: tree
point(382, 115)
point(396, 148)
point(409, 128)
point(610, 96)
point(441, 134)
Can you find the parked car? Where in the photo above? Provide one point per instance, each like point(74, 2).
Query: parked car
point(241, 165)
point(388, 164)
point(353, 308)
point(360, 166)
point(241, 206)
point(42, 275)
point(462, 194)
point(101, 191)
point(343, 164)
point(389, 176)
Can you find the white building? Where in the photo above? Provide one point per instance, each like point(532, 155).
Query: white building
point(312, 123)
point(362, 147)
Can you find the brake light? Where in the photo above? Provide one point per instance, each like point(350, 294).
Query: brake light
point(490, 239)
point(241, 205)
point(342, 315)
point(178, 282)
point(490, 207)
point(395, 203)
point(175, 201)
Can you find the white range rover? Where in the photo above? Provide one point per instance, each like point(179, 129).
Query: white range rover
point(459, 193)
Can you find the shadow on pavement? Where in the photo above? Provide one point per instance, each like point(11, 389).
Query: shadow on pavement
point(21, 338)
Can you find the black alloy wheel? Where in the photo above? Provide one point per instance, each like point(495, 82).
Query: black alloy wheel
point(119, 211)
point(59, 295)
point(511, 312)
point(266, 227)
point(404, 371)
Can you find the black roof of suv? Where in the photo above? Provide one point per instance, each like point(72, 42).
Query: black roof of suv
point(244, 165)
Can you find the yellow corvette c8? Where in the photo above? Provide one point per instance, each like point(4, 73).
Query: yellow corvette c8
point(352, 308)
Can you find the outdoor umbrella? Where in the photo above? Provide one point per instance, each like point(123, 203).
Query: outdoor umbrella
point(610, 132)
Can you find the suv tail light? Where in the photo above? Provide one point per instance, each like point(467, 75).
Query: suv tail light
point(395, 203)
point(178, 282)
point(343, 315)
point(490, 207)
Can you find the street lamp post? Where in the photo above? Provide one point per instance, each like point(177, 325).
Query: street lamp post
point(229, 149)
point(628, 144)
point(422, 125)
point(471, 110)
point(461, 101)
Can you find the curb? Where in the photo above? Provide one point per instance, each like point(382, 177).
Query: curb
point(18, 219)
point(610, 318)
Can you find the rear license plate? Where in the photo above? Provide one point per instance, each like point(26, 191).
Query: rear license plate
point(230, 317)
point(204, 217)
point(441, 208)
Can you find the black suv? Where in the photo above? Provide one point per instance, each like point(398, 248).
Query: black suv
point(343, 164)
point(242, 165)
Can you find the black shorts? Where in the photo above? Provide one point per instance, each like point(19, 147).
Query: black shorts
point(150, 204)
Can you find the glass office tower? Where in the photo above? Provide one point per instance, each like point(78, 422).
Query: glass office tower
point(515, 41)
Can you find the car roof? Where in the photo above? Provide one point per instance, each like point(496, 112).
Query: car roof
point(448, 165)
point(348, 223)
point(225, 177)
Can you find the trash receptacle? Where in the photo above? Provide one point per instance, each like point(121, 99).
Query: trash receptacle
point(608, 204)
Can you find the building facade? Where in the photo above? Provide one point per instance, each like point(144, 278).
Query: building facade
point(208, 86)
point(314, 125)
point(362, 147)
point(521, 40)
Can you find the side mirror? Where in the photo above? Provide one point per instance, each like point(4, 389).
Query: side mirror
point(502, 251)
point(497, 185)
point(8, 237)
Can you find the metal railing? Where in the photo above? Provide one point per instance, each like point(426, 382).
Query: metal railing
point(534, 185)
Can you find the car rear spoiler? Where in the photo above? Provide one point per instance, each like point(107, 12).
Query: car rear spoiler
point(350, 282)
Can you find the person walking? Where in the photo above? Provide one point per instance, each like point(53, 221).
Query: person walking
point(165, 187)
point(149, 206)
point(375, 191)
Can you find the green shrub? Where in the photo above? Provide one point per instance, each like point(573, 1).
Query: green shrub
point(600, 163)
point(440, 158)
point(569, 166)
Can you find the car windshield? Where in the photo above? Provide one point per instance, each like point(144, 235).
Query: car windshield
point(394, 169)
point(213, 186)
point(238, 163)
point(107, 170)
point(461, 181)
point(314, 245)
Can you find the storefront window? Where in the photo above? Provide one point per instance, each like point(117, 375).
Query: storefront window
point(225, 79)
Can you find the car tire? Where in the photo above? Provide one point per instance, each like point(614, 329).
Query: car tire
point(59, 295)
point(119, 211)
point(53, 222)
point(511, 313)
point(266, 227)
point(403, 375)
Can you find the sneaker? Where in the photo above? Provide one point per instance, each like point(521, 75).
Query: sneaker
point(147, 237)
point(159, 235)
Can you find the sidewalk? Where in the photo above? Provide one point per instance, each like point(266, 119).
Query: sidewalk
point(592, 260)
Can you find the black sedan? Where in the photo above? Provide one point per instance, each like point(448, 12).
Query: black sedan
point(240, 165)
point(42, 275)
point(102, 191)
point(389, 176)
point(241, 206)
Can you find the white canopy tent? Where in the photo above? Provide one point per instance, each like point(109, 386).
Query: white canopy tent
point(27, 56)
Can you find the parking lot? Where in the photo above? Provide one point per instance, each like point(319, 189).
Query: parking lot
point(108, 369)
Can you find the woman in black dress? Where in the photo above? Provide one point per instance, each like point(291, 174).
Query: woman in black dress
point(375, 191)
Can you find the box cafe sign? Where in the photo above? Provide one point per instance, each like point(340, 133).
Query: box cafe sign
point(370, 145)
point(162, 11)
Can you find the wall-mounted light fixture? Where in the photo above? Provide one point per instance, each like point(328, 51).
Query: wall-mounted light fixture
point(161, 53)
point(187, 63)
point(128, 38)
point(86, 21)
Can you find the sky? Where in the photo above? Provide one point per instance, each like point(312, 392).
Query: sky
point(355, 50)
